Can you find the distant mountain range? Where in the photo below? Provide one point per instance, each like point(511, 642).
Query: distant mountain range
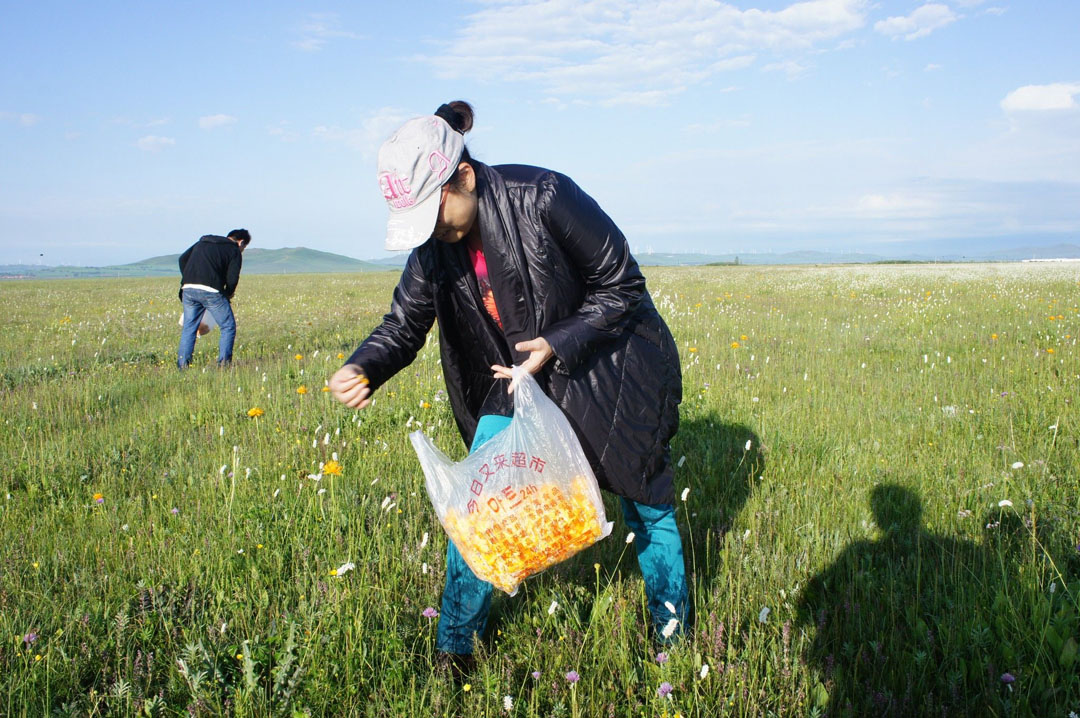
point(300, 260)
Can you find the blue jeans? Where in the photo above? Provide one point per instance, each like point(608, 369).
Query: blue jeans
point(196, 302)
point(466, 600)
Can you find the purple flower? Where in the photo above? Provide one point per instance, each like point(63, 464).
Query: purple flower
point(430, 612)
point(175, 511)
point(536, 675)
point(573, 677)
point(664, 690)
point(661, 658)
point(1007, 678)
point(29, 638)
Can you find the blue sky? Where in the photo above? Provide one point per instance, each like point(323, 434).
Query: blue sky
point(129, 129)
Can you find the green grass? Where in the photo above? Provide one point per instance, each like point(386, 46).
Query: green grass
point(848, 435)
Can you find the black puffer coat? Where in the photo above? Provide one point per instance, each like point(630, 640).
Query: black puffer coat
point(560, 269)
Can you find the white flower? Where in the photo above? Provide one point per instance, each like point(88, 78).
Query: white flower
point(704, 671)
point(670, 628)
point(685, 493)
point(553, 607)
point(385, 503)
point(630, 537)
point(508, 703)
point(1053, 587)
point(669, 606)
point(222, 469)
point(1004, 502)
point(763, 615)
point(1018, 465)
point(320, 492)
point(746, 534)
point(682, 460)
point(1053, 427)
point(423, 541)
point(276, 492)
point(423, 568)
point(749, 443)
point(345, 568)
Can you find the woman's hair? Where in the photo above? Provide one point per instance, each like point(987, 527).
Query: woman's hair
point(242, 235)
point(459, 115)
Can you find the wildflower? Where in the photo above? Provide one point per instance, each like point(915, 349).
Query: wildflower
point(298, 357)
point(661, 658)
point(1004, 502)
point(749, 443)
point(553, 607)
point(1018, 465)
point(693, 350)
point(175, 511)
point(630, 537)
point(573, 677)
point(704, 671)
point(685, 493)
point(993, 336)
point(332, 467)
point(301, 389)
point(325, 388)
point(763, 615)
point(99, 498)
point(429, 612)
point(669, 606)
point(1007, 678)
point(29, 638)
point(1049, 350)
point(255, 412)
point(508, 703)
point(536, 675)
point(664, 690)
point(742, 337)
point(669, 629)
point(344, 568)
point(467, 687)
point(239, 656)
point(37, 657)
point(734, 345)
point(423, 541)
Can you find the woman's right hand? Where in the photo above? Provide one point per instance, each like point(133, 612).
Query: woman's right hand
point(350, 387)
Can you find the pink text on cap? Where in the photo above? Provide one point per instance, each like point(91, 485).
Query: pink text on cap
point(396, 190)
point(439, 163)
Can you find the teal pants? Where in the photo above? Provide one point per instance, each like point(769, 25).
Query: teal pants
point(466, 600)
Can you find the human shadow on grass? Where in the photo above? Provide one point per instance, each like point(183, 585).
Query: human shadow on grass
point(912, 623)
point(721, 465)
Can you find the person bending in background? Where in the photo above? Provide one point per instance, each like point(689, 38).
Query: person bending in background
point(209, 272)
point(520, 266)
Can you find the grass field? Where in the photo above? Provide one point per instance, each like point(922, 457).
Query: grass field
point(882, 516)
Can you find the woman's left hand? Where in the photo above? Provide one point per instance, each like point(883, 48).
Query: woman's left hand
point(539, 354)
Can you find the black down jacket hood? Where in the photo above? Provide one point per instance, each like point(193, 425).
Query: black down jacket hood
point(560, 269)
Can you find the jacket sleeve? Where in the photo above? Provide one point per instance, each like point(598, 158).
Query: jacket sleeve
point(393, 344)
point(232, 272)
point(614, 285)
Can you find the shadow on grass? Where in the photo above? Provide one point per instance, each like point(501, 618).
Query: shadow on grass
point(913, 623)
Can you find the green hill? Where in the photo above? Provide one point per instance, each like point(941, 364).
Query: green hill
point(290, 260)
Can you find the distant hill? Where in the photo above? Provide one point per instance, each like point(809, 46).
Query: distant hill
point(300, 260)
point(290, 260)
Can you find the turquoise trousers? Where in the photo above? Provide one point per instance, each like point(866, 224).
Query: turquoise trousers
point(466, 600)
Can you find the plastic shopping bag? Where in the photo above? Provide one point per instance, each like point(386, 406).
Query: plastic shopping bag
point(525, 500)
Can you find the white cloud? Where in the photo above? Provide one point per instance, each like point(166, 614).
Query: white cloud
point(1056, 96)
point(153, 143)
point(319, 29)
point(371, 133)
point(209, 122)
point(26, 119)
point(931, 67)
point(633, 51)
point(791, 68)
point(920, 23)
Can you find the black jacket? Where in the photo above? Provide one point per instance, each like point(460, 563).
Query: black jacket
point(560, 269)
point(214, 261)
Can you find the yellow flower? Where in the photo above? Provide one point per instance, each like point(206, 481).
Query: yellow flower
point(734, 345)
point(693, 349)
point(743, 337)
point(255, 411)
point(332, 467)
point(340, 355)
point(467, 687)
point(1049, 351)
point(993, 336)
point(301, 389)
point(239, 656)
point(325, 388)
point(37, 657)
point(425, 405)
point(298, 357)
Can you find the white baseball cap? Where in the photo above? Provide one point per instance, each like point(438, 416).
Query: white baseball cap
point(414, 164)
